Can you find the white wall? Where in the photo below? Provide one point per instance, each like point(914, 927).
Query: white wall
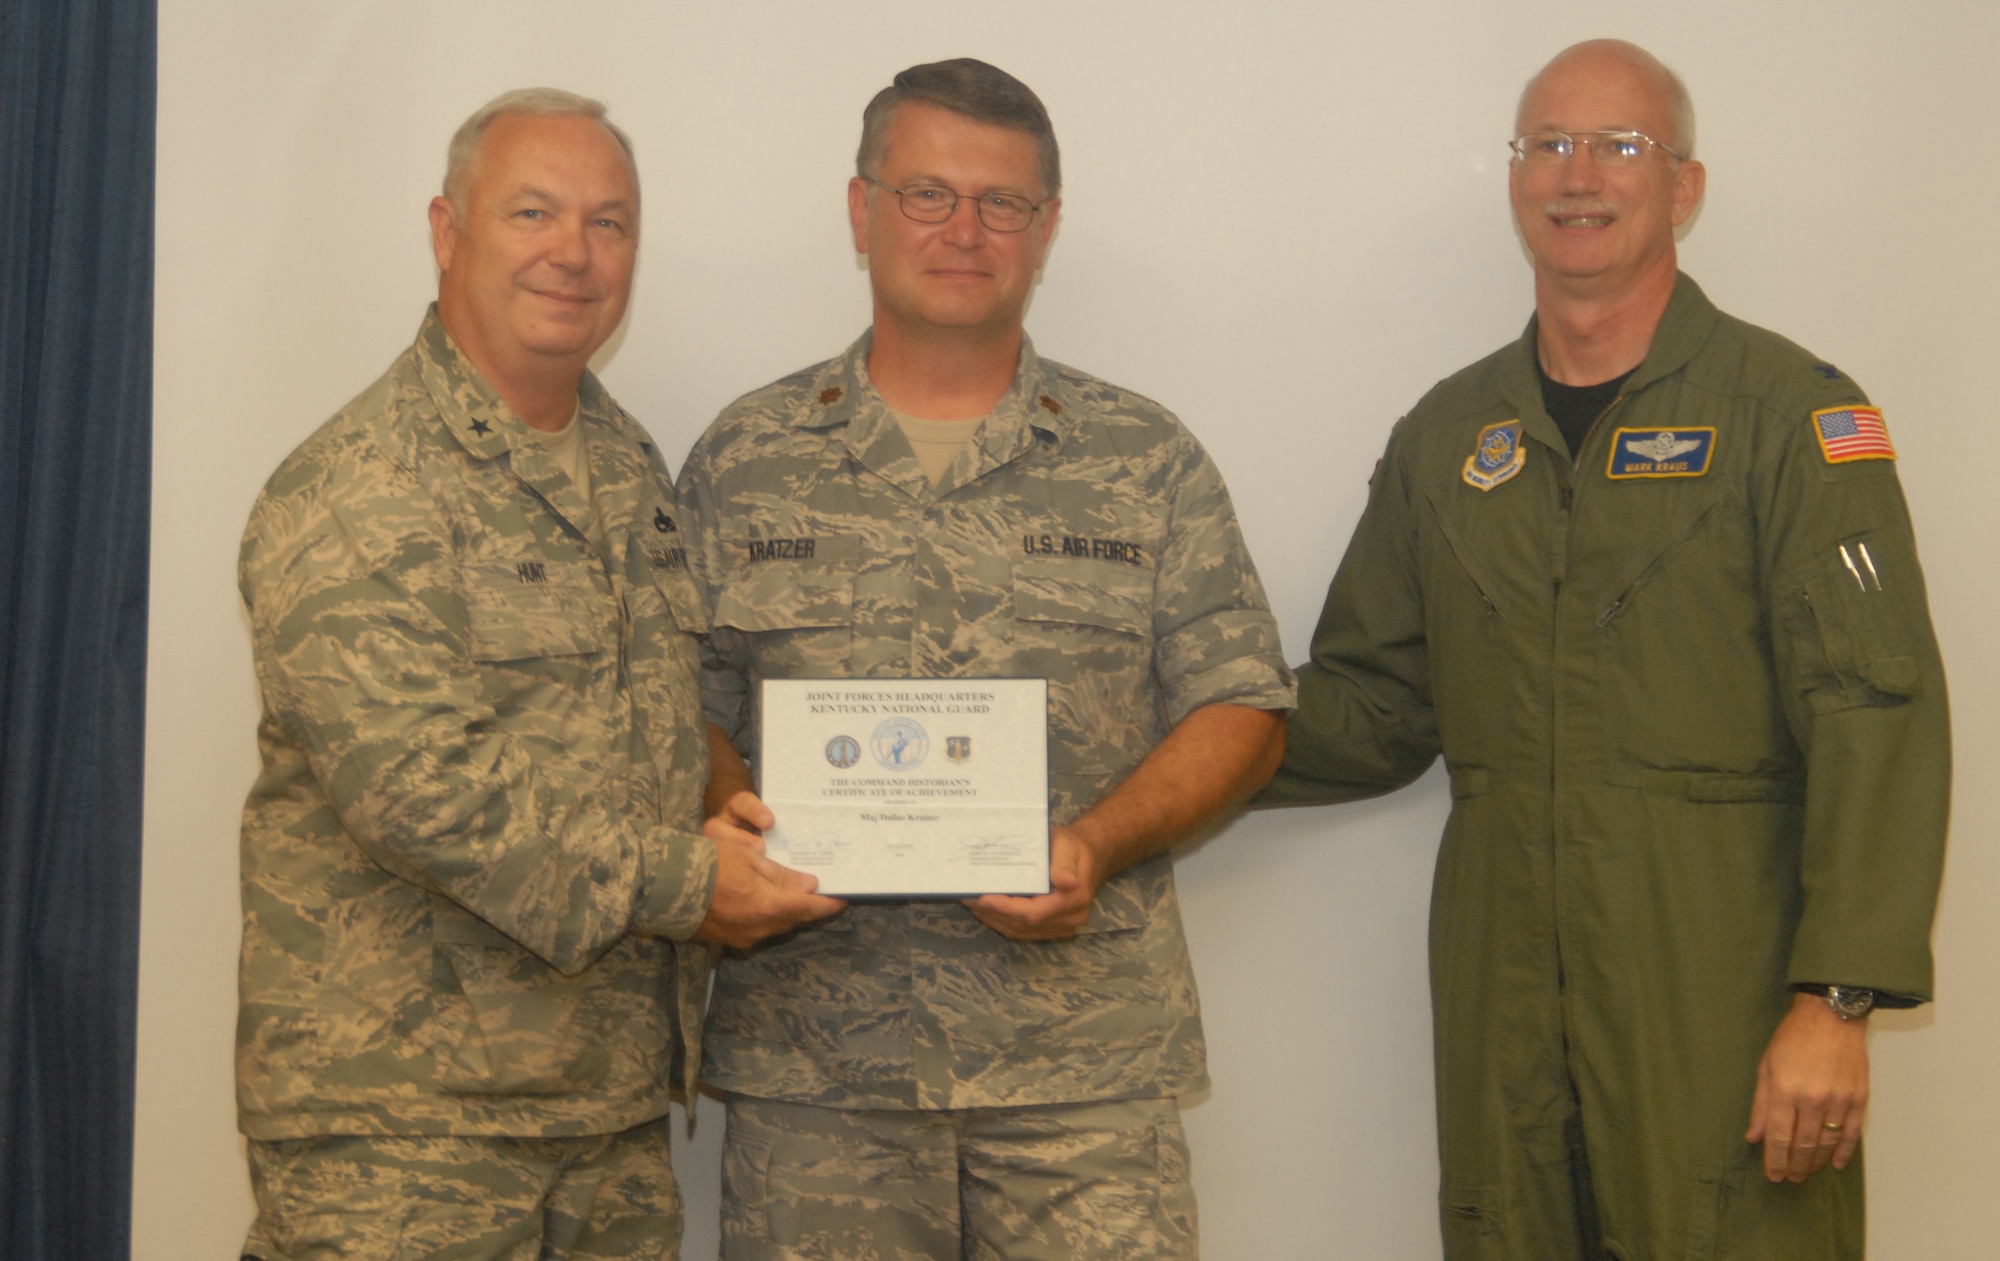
point(1284, 220)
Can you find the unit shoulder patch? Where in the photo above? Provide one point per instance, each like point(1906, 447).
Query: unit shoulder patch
point(1852, 433)
point(1496, 456)
point(1637, 453)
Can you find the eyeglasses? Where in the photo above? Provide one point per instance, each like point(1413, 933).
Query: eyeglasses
point(934, 203)
point(1607, 148)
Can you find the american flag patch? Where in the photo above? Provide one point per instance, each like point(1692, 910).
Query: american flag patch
point(1852, 433)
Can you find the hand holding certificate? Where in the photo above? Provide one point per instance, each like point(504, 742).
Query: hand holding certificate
point(928, 788)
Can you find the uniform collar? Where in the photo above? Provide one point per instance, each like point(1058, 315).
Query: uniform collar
point(481, 421)
point(1684, 328)
point(1037, 406)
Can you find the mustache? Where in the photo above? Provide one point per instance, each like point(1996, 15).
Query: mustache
point(1589, 209)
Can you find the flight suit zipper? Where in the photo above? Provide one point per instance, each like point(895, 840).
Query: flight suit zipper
point(1655, 565)
point(1568, 502)
point(1576, 459)
point(1451, 545)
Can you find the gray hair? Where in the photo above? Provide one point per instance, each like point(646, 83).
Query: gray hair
point(968, 87)
point(1680, 105)
point(463, 155)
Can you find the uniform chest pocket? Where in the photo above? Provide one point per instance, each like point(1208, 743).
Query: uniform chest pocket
point(1087, 627)
point(784, 596)
point(1084, 593)
point(797, 618)
point(532, 608)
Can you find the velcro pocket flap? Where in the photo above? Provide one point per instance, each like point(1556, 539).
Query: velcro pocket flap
point(531, 609)
point(1084, 592)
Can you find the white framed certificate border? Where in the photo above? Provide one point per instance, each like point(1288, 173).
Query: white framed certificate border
point(908, 789)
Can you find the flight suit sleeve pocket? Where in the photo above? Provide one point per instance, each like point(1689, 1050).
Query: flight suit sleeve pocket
point(530, 609)
point(1855, 641)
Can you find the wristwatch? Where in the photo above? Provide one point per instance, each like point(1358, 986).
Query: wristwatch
point(1849, 1002)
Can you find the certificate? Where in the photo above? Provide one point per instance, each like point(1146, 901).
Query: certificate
point(909, 788)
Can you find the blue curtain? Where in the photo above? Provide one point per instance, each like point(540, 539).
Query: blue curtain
point(76, 362)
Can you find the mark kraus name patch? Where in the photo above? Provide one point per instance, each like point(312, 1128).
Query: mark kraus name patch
point(1637, 453)
point(1079, 545)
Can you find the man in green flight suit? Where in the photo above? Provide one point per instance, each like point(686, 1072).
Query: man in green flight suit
point(994, 1079)
point(475, 899)
point(1646, 580)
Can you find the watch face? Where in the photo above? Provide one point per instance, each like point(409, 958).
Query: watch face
point(1848, 1002)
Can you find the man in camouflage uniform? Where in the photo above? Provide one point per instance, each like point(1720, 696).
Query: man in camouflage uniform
point(1646, 580)
point(472, 884)
point(995, 1079)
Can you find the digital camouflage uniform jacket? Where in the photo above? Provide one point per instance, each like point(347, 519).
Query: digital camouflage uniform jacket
point(1694, 717)
point(483, 761)
point(1083, 536)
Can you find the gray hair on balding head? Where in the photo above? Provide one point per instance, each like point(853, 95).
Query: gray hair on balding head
point(1683, 112)
point(463, 155)
point(1680, 105)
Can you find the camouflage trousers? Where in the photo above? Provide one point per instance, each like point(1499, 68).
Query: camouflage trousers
point(1054, 1183)
point(465, 1198)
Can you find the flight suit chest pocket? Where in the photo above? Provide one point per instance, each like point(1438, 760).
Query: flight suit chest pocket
point(531, 608)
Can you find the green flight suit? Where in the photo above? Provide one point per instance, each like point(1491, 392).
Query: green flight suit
point(1694, 719)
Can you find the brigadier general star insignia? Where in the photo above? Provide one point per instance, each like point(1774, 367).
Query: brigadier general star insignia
point(1497, 456)
point(480, 426)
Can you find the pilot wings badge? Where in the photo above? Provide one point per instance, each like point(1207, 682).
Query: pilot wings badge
point(1639, 453)
point(1497, 456)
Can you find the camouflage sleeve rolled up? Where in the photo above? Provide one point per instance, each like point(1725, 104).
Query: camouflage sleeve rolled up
point(1214, 639)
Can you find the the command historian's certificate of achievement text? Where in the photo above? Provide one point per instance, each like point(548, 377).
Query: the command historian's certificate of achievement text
point(900, 788)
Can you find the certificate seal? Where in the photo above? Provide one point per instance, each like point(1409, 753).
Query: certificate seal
point(842, 752)
point(900, 744)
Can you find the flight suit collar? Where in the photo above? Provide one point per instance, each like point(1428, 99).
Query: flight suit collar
point(1035, 408)
point(488, 429)
point(1684, 328)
